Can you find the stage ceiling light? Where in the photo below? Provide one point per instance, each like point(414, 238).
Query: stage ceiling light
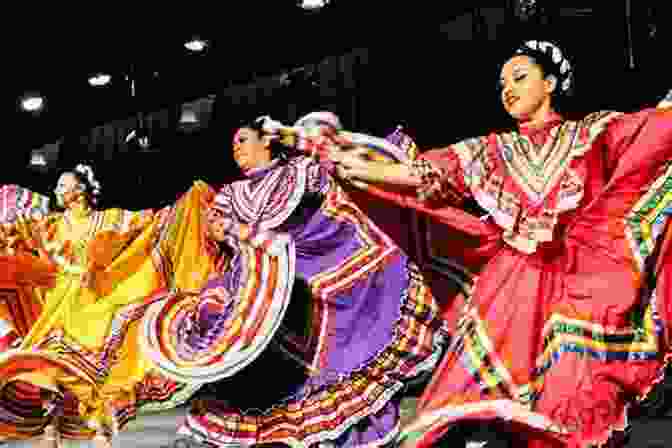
point(196, 45)
point(196, 114)
point(44, 158)
point(188, 117)
point(312, 5)
point(32, 103)
point(99, 79)
point(38, 159)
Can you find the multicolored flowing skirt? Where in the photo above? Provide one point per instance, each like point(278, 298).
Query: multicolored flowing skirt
point(360, 325)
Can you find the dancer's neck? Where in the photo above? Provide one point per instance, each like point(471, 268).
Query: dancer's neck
point(79, 210)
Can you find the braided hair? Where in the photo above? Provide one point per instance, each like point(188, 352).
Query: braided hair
point(88, 183)
point(553, 62)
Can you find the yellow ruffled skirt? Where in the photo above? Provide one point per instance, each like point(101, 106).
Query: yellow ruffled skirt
point(81, 361)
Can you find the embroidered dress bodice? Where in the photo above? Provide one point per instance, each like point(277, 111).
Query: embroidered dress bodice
point(66, 240)
point(523, 179)
point(271, 194)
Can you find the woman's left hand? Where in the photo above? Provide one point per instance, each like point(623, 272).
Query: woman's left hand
point(350, 162)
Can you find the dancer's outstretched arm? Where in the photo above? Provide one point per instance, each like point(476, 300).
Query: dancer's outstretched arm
point(353, 164)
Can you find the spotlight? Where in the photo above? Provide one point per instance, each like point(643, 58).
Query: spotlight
point(44, 158)
point(99, 79)
point(312, 5)
point(196, 45)
point(32, 103)
point(189, 121)
point(38, 159)
point(195, 115)
point(188, 117)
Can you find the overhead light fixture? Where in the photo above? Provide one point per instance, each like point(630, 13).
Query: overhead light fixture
point(189, 121)
point(188, 117)
point(38, 159)
point(196, 45)
point(312, 5)
point(32, 103)
point(99, 79)
point(41, 159)
point(195, 115)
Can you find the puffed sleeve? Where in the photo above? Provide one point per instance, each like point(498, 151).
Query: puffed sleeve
point(641, 139)
point(446, 174)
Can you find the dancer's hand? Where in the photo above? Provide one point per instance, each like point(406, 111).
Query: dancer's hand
point(350, 163)
point(335, 153)
point(218, 224)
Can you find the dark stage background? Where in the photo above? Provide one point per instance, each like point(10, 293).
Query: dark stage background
point(435, 75)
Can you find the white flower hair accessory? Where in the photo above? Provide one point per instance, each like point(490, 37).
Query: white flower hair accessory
point(269, 126)
point(316, 119)
point(556, 56)
point(87, 172)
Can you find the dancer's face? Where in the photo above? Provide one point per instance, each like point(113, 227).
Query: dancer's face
point(251, 150)
point(68, 190)
point(526, 93)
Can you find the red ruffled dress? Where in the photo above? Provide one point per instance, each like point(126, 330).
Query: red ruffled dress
point(568, 319)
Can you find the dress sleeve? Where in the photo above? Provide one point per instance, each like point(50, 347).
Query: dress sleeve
point(318, 175)
point(638, 139)
point(236, 230)
point(447, 173)
point(635, 202)
point(25, 234)
point(118, 228)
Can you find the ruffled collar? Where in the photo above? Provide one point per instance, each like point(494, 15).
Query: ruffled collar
point(552, 120)
point(261, 171)
point(78, 212)
point(537, 133)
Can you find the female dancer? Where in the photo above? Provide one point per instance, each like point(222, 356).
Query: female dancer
point(78, 373)
point(370, 326)
point(568, 320)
